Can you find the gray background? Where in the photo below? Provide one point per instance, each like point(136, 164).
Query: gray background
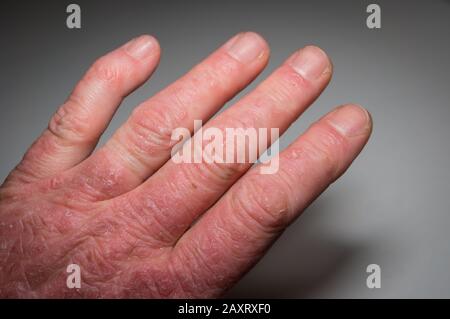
point(392, 206)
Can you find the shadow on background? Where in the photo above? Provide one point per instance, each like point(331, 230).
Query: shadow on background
point(305, 261)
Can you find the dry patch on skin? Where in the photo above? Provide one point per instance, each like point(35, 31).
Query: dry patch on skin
point(41, 236)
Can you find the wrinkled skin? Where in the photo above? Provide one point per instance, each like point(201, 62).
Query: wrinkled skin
point(125, 212)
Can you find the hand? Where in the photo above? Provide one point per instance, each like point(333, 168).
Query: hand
point(137, 223)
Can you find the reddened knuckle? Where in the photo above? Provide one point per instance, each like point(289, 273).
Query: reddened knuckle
point(294, 80)
point(69, 122)
point(151, 130)
point(106, 70)
point(94, 263)
point(321, 158)
point(325, 151)
point(221, 173)
point(263, 203)
point(144, 219)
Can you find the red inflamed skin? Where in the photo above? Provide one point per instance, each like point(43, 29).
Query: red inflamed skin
point(138, 224)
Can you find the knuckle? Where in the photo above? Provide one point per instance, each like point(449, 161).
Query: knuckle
point(220, 173)
point(95, 265)
point(151, 129)
point(144, 220)
point(69, 123)
point(325, 151)
point(294, 80)
point(250, 121)
point(101, 177)
point(106, 70)
point(237, 156)
point(262, 203)
point(288, 82)
point(283, 91)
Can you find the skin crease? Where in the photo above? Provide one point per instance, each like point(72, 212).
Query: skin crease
point(138, 224)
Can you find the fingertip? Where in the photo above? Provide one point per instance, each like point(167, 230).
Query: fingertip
point(312, 63)
point(351, 120)
point(143, 47)
point(314, 49)
point(247, 47)
point(258, 37)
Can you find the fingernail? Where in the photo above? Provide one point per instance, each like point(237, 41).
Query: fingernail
point(246, 47)
point(350, 120)
point(311, 62)
point(140, 47)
